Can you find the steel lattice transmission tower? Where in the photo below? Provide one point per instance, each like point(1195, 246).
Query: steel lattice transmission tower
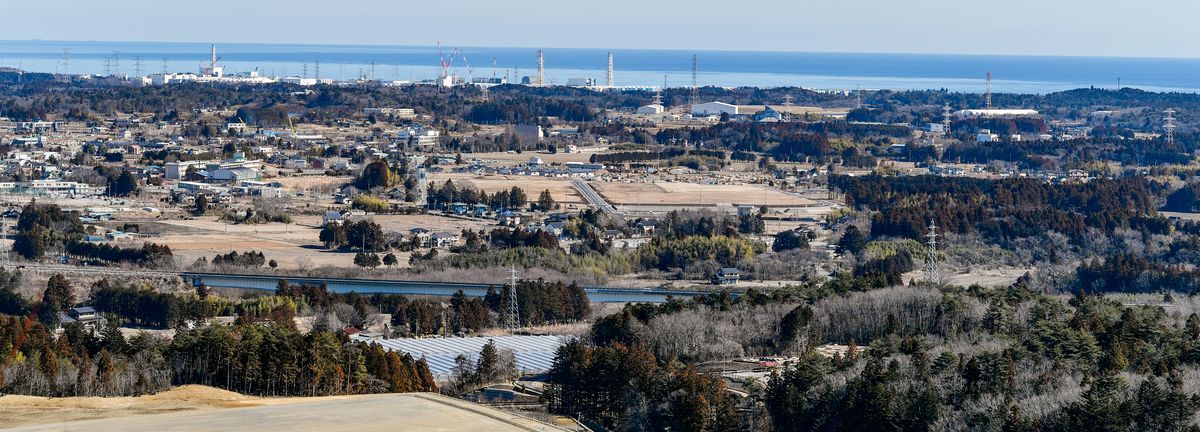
point(512, 315)
point(933, 273)
point(1169, 124)
point(610, 81)
point(541, 77)
point(988, 96)
point(695, 86)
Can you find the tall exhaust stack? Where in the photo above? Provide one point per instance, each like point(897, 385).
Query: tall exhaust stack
point(541, 81)
point(609, 81)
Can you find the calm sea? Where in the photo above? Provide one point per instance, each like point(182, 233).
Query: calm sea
point(1024, 74)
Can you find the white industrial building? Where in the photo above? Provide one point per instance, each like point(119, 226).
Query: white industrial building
point(714, 108)
point(986, 136)
point(652, 109)
point(398, 112)
point(305, 81)
point(992, 113)
point(419, 135)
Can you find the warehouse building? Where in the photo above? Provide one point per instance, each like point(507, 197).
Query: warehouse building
point(714, 108)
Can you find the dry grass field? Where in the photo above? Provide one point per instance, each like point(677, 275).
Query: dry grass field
point(200, 408)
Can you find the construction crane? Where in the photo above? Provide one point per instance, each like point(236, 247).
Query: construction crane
point(211, 69)
point(448, 63)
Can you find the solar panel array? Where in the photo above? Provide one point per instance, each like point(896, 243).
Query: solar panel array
point(534, 354)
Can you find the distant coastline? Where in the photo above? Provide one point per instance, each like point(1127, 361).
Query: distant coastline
point(826, 71)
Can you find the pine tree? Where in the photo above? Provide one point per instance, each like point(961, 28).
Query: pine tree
point(486, 369)
point(58, 294)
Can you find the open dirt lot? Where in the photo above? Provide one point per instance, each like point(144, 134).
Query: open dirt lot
point(982, 277)
point(666, 193)
point(312, 183)
point(560, 188)
point(198, 408)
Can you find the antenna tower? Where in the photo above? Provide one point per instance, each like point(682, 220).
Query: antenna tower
point(1169, 124)
point(512, 317)
point(988, 96)
point(609, 80)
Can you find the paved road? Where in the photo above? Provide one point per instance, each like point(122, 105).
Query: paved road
point(404, 412)
point(592, 196)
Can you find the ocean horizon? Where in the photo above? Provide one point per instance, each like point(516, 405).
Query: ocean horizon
point(633, 67)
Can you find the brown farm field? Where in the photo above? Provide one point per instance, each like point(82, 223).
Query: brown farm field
point(671, 193)
point(292, 246)
point(560, 188)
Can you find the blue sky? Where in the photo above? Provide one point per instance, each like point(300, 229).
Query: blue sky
point(1147, 28)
